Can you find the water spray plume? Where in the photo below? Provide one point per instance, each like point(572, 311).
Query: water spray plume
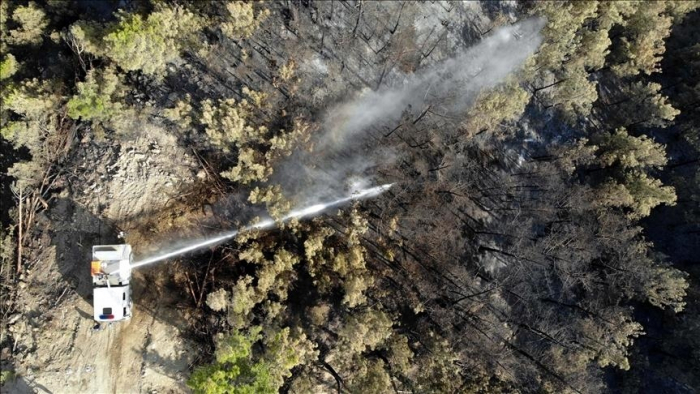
point(346, 148)
point(269, 223)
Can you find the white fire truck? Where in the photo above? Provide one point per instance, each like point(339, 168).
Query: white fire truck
point(111, 274)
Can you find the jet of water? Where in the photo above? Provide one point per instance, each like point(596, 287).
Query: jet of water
point(269, 223)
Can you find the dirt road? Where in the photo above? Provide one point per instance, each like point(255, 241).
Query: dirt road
point(65, 354)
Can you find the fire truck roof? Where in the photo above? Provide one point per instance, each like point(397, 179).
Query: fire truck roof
point(111, 252)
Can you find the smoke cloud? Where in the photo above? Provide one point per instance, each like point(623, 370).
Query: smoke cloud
point(339, 168)
point(344, 153)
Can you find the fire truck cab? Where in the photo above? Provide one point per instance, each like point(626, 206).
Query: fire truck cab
point(111, 290)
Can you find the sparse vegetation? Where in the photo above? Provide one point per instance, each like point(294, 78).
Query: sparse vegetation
point(7, 377)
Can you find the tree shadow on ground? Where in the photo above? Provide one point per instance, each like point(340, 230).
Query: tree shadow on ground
point(20, 385)
point(76, 231)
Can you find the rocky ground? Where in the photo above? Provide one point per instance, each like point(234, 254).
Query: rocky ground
point(57, 348)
